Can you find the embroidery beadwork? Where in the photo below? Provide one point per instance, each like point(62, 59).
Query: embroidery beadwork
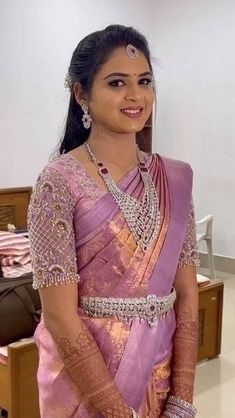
point(189, 254)
point(50, 223)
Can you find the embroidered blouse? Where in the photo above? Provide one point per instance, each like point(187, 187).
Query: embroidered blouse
point(51, 229)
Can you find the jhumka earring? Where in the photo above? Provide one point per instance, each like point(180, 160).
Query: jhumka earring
point(132, 51)
point(86, 119)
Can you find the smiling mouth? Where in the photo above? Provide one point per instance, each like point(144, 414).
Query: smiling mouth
point(132, 113)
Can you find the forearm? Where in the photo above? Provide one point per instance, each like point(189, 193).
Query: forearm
point(85, 364)
point(185, 347)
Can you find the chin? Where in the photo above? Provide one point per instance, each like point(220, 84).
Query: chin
point(127, 131)
point(130, 128)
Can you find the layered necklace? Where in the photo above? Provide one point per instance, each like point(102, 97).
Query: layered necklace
point(142, 217)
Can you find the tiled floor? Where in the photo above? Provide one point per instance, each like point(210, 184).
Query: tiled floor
point(215, 379)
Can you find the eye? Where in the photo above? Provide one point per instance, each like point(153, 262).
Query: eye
point(146, 81)
point(116, 83)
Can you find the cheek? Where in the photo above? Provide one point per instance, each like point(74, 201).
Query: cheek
point(105, 111)
point(105, 106)
point(150, 98)
point(105, 102)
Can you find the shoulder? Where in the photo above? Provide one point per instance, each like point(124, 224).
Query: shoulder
point(179, 174)
point(55, 178)
point(175, 167)
point(175, 164)
point(61, 168)
point(64, 165)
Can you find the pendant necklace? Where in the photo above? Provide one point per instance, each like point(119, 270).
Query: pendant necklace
point(143, 218)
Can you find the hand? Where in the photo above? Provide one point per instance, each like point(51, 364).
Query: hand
point(121, 412)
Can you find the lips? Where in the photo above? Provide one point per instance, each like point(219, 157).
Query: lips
point(132, 112)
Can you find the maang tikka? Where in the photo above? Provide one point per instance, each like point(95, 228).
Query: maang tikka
point(86, 118)
point(132, 51)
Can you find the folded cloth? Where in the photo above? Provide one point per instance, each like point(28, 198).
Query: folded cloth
point(10, 260)
point(14, 244)
point(14, 254)
point(16, 270)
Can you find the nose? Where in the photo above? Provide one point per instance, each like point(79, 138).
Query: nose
point(134, 93)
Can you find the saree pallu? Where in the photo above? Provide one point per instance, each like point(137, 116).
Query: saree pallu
point(110, 264)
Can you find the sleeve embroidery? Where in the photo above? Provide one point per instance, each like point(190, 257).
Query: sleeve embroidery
point(51, 232)
point(189, 254)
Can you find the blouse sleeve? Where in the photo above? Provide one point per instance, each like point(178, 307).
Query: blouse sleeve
point(189, 253)
point(51, 232)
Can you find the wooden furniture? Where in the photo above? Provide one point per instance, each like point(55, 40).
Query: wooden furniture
point(18, 385)
point(13, 206)
point(210, 319)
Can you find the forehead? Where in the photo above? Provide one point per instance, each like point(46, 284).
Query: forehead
point(119, 61)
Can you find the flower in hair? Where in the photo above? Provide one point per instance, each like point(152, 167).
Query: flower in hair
point(68, 82)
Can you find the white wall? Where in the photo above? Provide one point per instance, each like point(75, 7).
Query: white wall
point(196, 103)
point(37, 39)
point(196, 88)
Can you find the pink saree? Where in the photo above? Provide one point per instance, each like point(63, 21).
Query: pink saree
point(80, 229)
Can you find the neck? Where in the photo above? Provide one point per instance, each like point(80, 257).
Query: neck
point(115, 148)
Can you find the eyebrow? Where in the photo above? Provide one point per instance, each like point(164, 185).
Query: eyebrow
point(127, 75)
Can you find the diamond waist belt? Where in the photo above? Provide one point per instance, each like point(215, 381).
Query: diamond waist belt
point(149, 308)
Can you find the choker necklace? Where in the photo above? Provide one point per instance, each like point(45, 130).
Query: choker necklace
point(143, 218)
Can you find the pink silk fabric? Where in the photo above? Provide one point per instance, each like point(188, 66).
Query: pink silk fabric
point(110, 264)
point(14, 254)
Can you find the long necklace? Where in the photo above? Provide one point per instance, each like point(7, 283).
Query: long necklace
point(143, 218)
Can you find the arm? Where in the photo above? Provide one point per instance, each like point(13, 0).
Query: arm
point(52, 240)
point(79, 351)
point(186, 334)
point(185, 343)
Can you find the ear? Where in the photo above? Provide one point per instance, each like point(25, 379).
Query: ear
point(80, 95)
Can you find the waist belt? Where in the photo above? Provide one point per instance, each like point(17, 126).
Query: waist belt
point(149, 308)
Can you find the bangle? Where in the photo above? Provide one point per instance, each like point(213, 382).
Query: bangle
point(134, 414)
point(178, 408)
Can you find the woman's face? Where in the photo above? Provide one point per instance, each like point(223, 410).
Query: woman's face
point(122, 93)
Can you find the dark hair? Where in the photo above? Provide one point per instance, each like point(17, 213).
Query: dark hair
point(90, 54)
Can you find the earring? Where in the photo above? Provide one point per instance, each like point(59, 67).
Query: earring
point(86, 119)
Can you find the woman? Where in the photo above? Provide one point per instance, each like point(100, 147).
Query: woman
point(113, 249)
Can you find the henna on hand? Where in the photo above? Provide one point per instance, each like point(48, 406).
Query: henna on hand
point(85, 364)
point(184, 356)
point(120, 410)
